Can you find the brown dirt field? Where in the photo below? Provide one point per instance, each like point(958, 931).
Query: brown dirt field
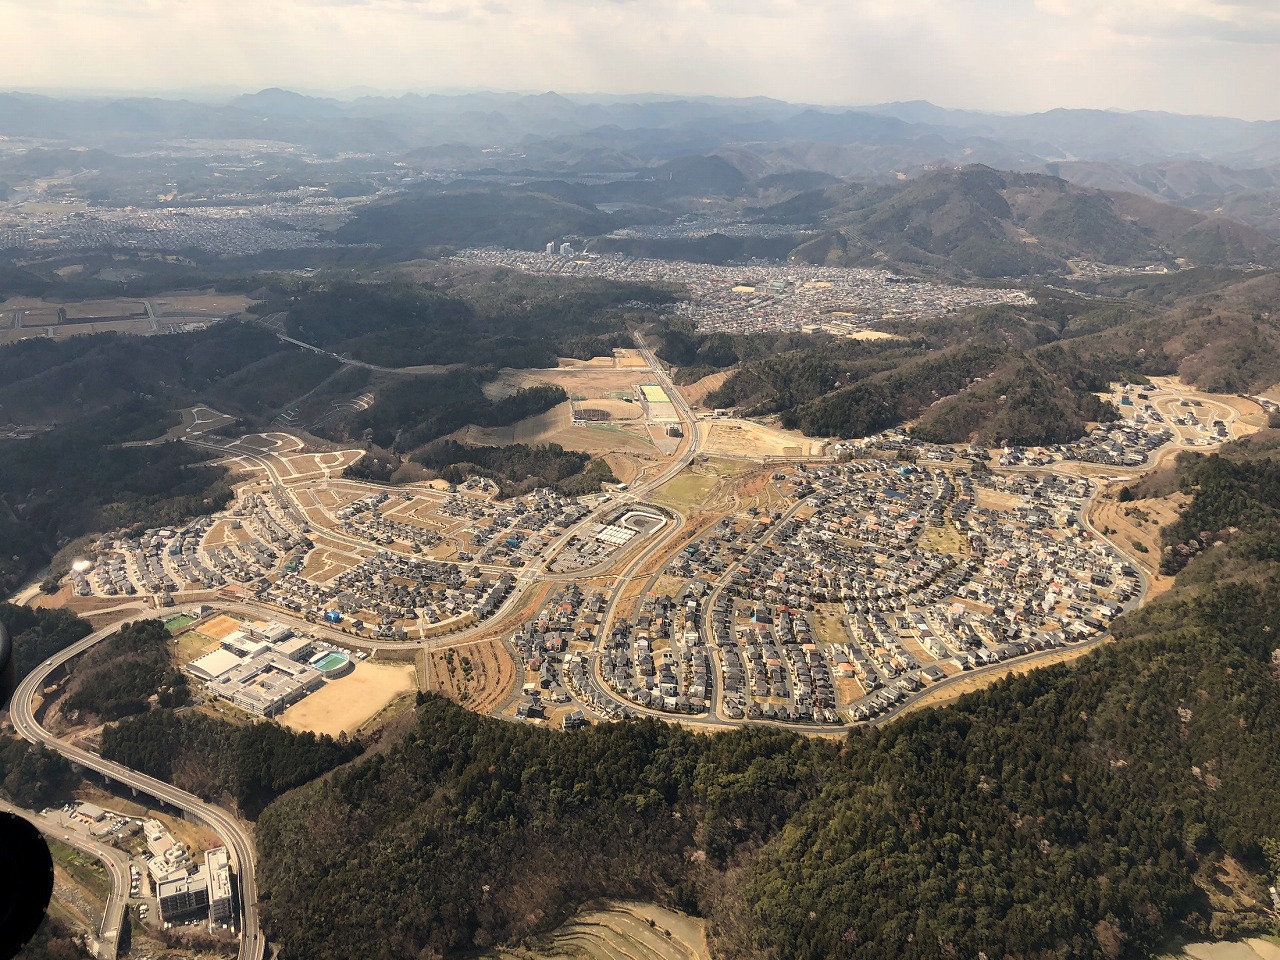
point(346, 704)
point(114, 326)
point(625, 467)
point(191, 644)
point(104, 308)
point(576, 381)
point(694, 393)
point(323, 565)
point(220, 627)
point(745, 438)
point(1126, 520)
point(554, 427)
point(617, 409)
point(493, 674)
point(1253, 948)
point(199, 304)
point(629, 357)
point(873, 335)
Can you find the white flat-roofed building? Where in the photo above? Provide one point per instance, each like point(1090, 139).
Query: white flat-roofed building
point(217, 865)
point(214, 665)
point(297, 649)
point(267, 684)
point(272, 632)
point(243, 644)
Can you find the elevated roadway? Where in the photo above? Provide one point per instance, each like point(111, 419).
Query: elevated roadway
point(239, 844)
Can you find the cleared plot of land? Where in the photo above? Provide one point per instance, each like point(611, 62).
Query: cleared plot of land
point(629, 358)
point(695, 393)
point(579, 381)
point(1136, 528)
point(205, 305)
point(619, 931)
point(616, 409)
point(345, 704)
point(479, 675)
point(190, 645)
point(105, 309)
point(746, 438)
point(556, 426)
point(324, 565)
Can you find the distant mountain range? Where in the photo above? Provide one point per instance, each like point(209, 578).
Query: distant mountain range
point(674, 126)
point(1227, 170)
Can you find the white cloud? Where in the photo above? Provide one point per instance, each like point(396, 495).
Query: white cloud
point(1189, 55)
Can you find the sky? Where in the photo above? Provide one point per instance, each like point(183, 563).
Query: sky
point(1218, 57)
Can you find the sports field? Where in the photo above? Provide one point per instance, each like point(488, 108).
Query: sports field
point(345, 704)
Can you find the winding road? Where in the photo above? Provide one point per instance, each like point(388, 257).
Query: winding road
point(107, 939)
point(22, 713)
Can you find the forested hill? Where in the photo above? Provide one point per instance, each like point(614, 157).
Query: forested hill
point(1084, 810)
point(1023, 374)
point(982, 222)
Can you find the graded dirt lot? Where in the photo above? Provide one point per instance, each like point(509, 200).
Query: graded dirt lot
point(104, 308)
point(345, 704)
point(695, 393)
point(1136, 524)
point(479, 675)
point(202, 305)
point(746, 438)
point(556, 426)
point(616, 409)
point(577, 381)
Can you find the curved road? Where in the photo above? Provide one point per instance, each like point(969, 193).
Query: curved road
point(237, 841)
point(107, 941)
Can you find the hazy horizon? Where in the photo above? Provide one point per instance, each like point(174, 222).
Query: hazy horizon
point(1208, 57)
